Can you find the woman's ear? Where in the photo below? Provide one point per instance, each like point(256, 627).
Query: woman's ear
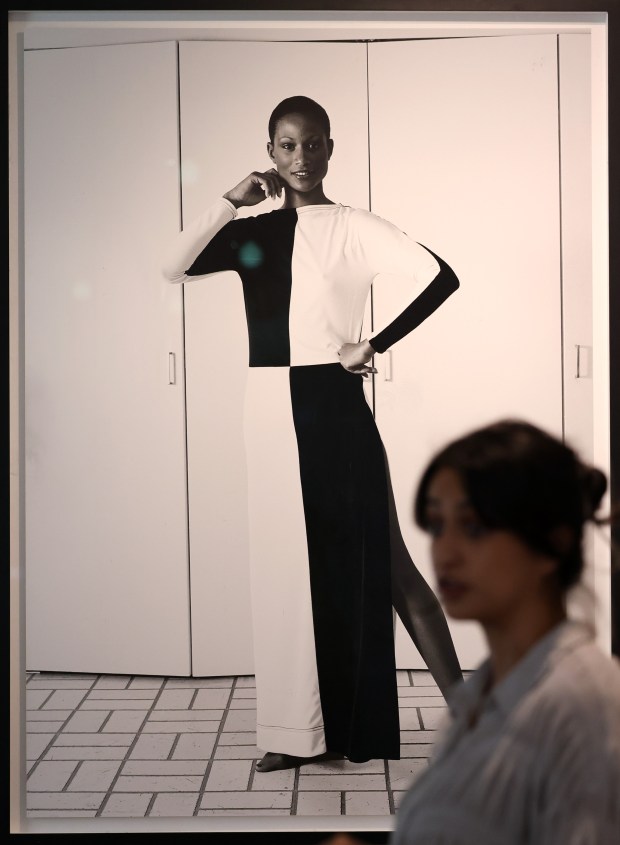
point(330, 148)
point(270, 150)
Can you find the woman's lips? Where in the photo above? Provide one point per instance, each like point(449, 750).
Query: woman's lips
point(450, 588)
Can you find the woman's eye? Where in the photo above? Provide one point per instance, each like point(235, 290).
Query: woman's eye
point(433, 527)
point(474, 529)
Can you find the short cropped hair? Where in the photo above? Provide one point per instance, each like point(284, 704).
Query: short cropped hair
point(298, 105)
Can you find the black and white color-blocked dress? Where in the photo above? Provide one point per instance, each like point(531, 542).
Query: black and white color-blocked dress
point(318, 496)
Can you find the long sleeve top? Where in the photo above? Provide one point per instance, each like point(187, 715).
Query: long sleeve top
point(306, 274)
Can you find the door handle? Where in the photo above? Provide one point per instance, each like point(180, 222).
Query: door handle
point(172, 368)
point(584, 361)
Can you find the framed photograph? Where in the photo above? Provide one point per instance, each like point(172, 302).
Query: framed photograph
point(485, 135)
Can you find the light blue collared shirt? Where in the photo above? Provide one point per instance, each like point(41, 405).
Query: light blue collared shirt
point(536, 761)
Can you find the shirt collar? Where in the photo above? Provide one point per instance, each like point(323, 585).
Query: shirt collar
point(537, 662)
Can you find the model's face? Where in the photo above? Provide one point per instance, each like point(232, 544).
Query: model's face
point(483, 574)
point(300, 152)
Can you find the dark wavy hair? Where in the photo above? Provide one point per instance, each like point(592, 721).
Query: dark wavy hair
point(298, 105)
point(521, 479)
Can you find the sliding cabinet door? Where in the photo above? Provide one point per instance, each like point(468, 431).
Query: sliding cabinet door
point(464, 157)
point(106, 521)
point(228, 91)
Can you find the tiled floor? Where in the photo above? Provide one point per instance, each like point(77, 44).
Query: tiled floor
point(134, 746)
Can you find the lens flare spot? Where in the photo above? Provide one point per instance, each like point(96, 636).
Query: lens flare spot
point(189, 172)
point(82, 291)
point(251, 255)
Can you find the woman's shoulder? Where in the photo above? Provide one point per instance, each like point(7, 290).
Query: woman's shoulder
point(582, 691)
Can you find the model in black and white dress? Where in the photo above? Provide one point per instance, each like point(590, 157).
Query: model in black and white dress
point(324, 568)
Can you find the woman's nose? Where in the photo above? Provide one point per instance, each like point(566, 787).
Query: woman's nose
point(444, 550)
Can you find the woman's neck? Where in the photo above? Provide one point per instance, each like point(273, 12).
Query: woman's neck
point(510, 642)
point(297, 199)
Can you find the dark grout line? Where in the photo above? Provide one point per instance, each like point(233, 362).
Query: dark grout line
point(132, 745)
point(203, 785)
point(135, 736)
point(60, 729)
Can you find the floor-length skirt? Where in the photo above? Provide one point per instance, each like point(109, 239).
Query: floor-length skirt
point(320, 565)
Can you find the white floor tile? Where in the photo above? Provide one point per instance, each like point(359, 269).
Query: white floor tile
point(433, 717)
point(44, 727)
point(144, 682)
point(272, 811)
point(284, 779)
point(165, 767)
point(94, 739)
point(318, 803)
point(185, 715)
point(181, 727)
point(51, 775)
point(156, 747)
point(158, 783)
point(83, 722)
point(36, 744)
point(35, 698)
point(175, 699)
point(131, 703)
point(238, 738)
point(237, 752)
point(112, 682)
point(94, 776)
point(330, 767)
point(199, 683)
point(85, 752)
point(240, 720)
point(420, 692)
point(194, 747)
point(124, 721)
point(409, 719)
point(211, 698)
point(367, 804)
point(62, 814)
point(174, 804)
point(145, 696)
point(244, 692)
point(247, 800)
point(342, 782)
point(229, 775)
point(42, 716)
point(127, 806)
point(64, 800)
point(404, 772)
point(418, 736)
point(60, 683)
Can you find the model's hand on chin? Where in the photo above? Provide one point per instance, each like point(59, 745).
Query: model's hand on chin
point(354, 357)
point(255, 188)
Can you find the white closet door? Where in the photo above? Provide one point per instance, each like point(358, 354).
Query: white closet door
point(106, 548)
point(576, 170)
point(228, 91)
point(464, 158)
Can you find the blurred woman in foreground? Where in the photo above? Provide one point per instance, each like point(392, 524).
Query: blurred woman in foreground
point(532, 753)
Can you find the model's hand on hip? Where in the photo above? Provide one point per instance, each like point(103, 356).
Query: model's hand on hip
point(255, 188)
point(354, 357)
